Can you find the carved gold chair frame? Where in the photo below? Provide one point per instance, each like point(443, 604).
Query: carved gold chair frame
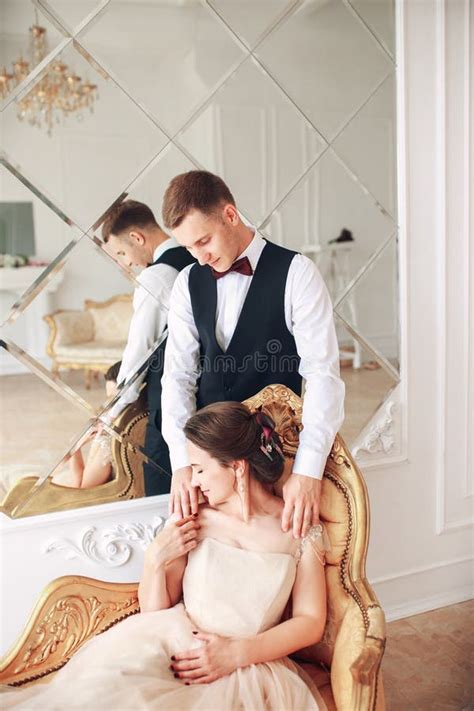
point(345, 664)
point(30, 497)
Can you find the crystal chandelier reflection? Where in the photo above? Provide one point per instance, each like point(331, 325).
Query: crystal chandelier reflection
point(57, 95)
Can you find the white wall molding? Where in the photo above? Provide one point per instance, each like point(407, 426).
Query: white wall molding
point(111, 547)
point(440, 203)
point(380, 443)
point(426, 588)
point(458, 525)
point(468, 198)
point(402, 108)
point(421, 569)
point(379, 436)
point(427, 604)
point(456, 401)
point(106, 541)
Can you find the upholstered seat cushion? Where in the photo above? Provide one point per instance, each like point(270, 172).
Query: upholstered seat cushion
point(322, 679)
point(92, 351)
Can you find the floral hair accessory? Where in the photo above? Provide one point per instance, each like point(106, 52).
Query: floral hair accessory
point(268, 445)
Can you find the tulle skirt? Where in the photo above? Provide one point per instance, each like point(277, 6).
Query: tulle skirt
point(127, 669)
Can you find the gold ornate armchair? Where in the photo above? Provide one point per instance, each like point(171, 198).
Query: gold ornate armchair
point(345, 664)
point(92, 339)
point(126, 482)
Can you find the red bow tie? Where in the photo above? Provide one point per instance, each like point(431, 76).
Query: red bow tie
point(242, 266)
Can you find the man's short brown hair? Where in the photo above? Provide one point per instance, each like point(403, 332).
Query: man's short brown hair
point(195, 190)
point(126, 216)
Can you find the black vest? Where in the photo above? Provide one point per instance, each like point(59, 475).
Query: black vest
point(262, 351)
point(178, 258)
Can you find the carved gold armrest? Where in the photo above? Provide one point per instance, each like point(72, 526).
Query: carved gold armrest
point(358, 653)
point(71, 610)
point(365, 667)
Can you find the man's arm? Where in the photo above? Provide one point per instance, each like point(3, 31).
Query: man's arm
point(150, 312)
point(313, 328)
point(178, 397)
point(316, 342)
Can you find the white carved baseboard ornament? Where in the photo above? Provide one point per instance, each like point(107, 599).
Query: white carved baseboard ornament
point(112, 547)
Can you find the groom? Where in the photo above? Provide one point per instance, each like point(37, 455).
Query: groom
point(249, 314)
point(136, 240)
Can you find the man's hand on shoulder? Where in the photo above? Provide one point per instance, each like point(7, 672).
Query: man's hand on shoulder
point(183, 497)
point(301, 495)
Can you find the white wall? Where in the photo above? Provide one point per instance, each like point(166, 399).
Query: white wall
point(421, 547)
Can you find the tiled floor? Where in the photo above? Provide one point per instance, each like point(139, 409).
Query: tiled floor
point(429, 661)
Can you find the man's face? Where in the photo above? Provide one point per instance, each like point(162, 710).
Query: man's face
point(129, 249)
point(211, 239)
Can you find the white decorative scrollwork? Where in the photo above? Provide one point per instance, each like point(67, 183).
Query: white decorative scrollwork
point(381, 435)
point(112, 546)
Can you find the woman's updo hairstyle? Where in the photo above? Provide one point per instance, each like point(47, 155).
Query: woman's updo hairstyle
point(229, 431)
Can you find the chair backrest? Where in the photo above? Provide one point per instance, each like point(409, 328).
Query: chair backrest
point(127, 460)
point(344, 509)
point(111, 318)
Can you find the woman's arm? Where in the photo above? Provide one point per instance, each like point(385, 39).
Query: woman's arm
point(165, 562)
point(76, 467)
point(97, 468)
point(308, 620)
point(221, 655)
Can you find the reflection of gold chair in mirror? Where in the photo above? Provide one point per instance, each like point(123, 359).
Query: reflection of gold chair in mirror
point(345, 664)
point(91, 340)
point(126, 482)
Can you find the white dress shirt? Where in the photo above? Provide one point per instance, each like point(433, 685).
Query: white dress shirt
point(309, 318)
point(151, 300)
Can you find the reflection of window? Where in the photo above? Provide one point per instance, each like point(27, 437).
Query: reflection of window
point(17, 232)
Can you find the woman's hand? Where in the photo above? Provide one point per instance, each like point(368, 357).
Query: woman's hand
point(173, 541)
point(217, 657)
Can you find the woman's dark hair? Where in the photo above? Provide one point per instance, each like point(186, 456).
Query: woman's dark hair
point(113, 371)
point(229, 431)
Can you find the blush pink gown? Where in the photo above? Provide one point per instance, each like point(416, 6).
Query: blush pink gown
point(226, 590)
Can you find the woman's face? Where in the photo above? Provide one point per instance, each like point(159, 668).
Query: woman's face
point(216, 481)
point(110, 388)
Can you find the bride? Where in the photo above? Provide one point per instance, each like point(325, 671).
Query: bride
point(212, 596)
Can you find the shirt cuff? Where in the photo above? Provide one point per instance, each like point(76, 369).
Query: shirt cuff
point(309, 463)
point(114, 412)
point(179, 457)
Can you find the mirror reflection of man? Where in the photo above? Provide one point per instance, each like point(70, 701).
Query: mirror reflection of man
point(246, 300)
point(134, 237)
